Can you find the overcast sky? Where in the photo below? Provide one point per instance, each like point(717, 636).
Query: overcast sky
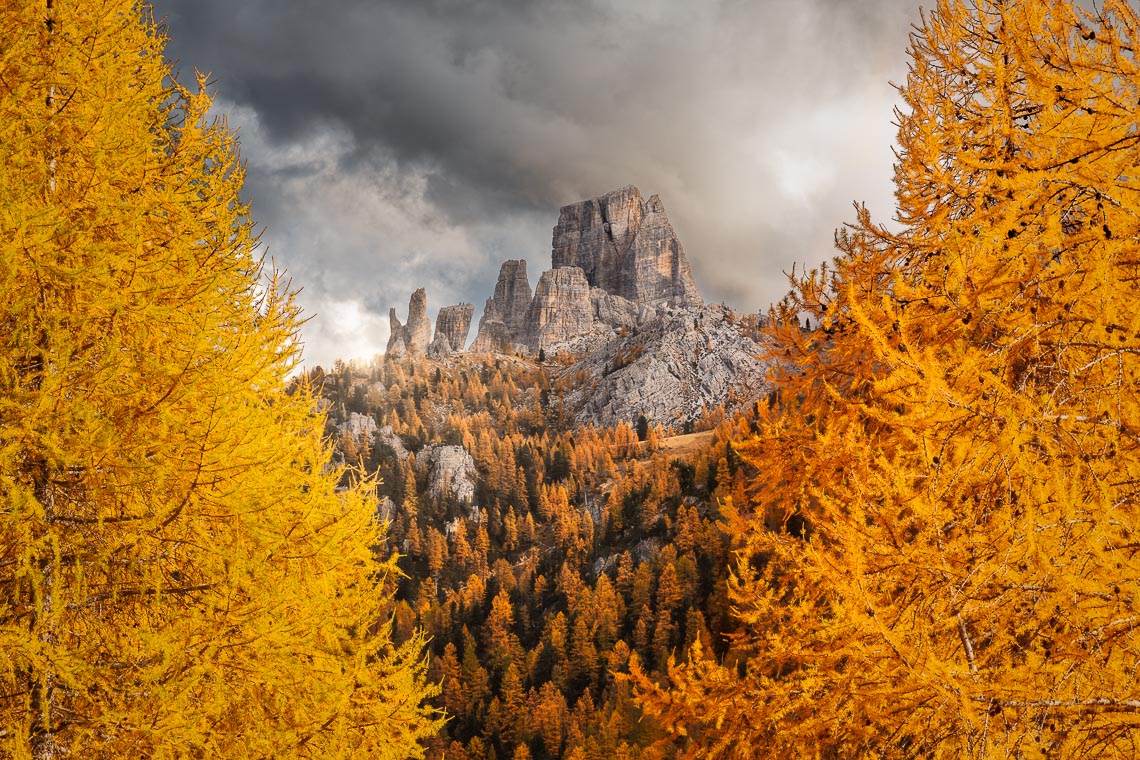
point(396, 144)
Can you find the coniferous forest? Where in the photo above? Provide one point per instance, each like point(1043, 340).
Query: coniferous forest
point(921, 543)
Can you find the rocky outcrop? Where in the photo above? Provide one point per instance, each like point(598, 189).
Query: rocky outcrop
point(415, 336)
point(670, 369)
point(451, 473)
point(503, 324)
point(361, 427)
point(617, 312)
point(385, 509)
point(593, 234)
point(396, 345)
point(655, 271)
point(417, 333)
point(561, 309)
point(452, 325)
point(627, 247)
point(617, 264)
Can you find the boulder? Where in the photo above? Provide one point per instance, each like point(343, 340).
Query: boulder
point(362, 427)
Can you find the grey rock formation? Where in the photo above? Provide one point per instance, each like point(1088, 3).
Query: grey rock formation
point(627, 247)
point(440, 346)
point(385, 509)
point(617, 312)
point(655, 271)
point(452, 325)
point(415, 336)
point(593, 234)
point(561, 309)
point(361, 427)
point(396, 345)
point(451, 472)
point(503, 324)
point(669, 369)
point(417, 333)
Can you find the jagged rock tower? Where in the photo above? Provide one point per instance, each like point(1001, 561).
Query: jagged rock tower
point(415, 336)
point(627, 247)
point(503, 324)
point(617, 263)
point(451, 328)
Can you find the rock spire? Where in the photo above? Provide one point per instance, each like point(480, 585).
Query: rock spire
point(503, 324)
point(415, 336)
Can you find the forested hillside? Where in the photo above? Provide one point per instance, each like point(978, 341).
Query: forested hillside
point(566, 553)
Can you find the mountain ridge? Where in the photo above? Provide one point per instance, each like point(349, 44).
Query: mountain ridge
point(621, 307)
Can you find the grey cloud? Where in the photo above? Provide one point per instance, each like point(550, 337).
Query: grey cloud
point(401, 142)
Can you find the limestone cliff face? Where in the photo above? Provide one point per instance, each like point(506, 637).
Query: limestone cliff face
point(503, 324)
point(617, 312)
point(655, 271)
point(670, 369)
point(561, 309)
point(451, 472)
point(617, 265)
point(626, 247)
point(620, 300)
point(417, 332)
point(396, 345)
point(452, 325)
point(415, 336)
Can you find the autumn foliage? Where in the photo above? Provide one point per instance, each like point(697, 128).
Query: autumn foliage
point(178, 575)
point(578, 550)
point(957, 450)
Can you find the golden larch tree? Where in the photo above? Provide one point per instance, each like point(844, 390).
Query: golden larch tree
point(178, 575)
point(955, 453)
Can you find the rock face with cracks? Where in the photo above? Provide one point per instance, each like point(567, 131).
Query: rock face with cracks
point(503, 324)
point(451, 328)
point(451, 473)
point(415, 336)
point(561, 308)
point(671, 369)
point(627, 247)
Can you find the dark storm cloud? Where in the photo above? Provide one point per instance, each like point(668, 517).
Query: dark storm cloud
point(397, 144)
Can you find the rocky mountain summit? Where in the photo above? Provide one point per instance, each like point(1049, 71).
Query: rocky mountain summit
point(617, 261)
point(627, 247)
point(451, 328)
point(621, 300)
